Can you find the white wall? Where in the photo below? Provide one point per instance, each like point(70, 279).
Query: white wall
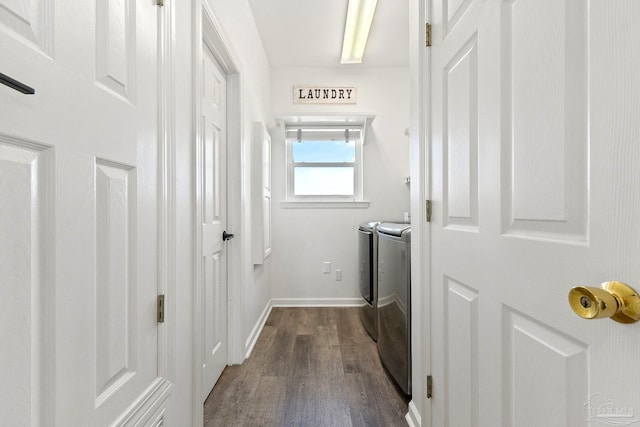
point(236, 23)
point(304, 238)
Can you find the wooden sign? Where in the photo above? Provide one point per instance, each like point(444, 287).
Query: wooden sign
point(324, 94)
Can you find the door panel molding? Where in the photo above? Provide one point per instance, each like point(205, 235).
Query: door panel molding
point(528, 341)
point(116, 287)
point(27, 220)
point(33, 23)
point(545, 187)
point(462, 352)
point(116, 48)
point(460, 138)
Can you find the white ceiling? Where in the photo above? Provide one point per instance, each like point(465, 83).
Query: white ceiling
point(308, 33)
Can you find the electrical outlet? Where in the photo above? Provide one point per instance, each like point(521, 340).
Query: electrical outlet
point(326, 267)
point(338, 275)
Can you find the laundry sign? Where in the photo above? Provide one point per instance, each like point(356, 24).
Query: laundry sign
point(324, 94)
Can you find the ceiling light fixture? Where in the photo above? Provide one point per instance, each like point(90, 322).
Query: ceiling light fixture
point(356, 30)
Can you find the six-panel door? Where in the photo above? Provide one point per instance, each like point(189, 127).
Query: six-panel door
point(534, 182)
point(79, 213)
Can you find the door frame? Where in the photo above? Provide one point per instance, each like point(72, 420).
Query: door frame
point(208, 33)
point(420, 146)
point(167, 191)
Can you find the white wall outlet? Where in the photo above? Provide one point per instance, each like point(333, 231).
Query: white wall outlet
point(338, 275)
point(326, 267)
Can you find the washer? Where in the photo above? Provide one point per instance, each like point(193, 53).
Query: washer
point(368, 278)
point(394, 301)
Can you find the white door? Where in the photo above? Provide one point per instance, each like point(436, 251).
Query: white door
point(214, 253)
point(79, 213)
point(534, 181)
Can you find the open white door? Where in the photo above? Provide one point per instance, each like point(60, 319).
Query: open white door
point(535, 151)
point(214, 254)
point(79, 214)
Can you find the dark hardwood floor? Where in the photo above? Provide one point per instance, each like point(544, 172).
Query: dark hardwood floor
point(310, 367)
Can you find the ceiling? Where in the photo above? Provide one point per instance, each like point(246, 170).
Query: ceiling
point(308, 33)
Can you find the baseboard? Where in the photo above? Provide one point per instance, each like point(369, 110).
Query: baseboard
point(413, 416)
point(250, 343)
point(317, 302)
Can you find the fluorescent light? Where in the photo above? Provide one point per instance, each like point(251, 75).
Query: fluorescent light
point(356, 31)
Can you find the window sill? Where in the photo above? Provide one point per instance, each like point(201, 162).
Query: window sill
point(324, 205)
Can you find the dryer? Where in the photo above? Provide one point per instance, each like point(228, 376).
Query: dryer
point(394, 301)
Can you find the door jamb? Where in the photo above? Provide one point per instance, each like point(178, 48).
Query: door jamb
point(420, 145)
point(167, 219)
point(207, 30)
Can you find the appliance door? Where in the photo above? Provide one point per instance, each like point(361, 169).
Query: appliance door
point(365, 257)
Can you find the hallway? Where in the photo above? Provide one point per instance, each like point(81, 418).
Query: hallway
point(310, 367)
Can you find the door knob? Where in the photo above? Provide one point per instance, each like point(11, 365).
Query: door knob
point(613, 299)
point(226, 236)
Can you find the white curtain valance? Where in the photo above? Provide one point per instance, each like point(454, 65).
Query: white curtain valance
point(323, 133)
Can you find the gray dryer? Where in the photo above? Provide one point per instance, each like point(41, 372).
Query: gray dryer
point(394, 301)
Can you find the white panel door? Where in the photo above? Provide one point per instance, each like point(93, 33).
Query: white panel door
point(534, 181)
point(214, 196)
point(79, 213)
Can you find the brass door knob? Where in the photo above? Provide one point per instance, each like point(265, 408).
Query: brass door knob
point(613, 299)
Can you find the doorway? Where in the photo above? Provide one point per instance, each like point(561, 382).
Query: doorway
point(217, 296)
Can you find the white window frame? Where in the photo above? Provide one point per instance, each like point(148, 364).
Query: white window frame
point(356, 133)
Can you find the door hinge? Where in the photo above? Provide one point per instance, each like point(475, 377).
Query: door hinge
point(160, 2)
point(429, 386)
point(160, 308)
point(428, 210)
point(427, 35)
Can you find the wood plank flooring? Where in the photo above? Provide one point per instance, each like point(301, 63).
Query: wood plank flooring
point(310, 367)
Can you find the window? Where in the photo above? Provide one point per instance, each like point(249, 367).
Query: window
point(324, 163)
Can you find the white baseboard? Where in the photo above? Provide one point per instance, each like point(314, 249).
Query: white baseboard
point(317, 302)
point(413, 416)
point(257, 328)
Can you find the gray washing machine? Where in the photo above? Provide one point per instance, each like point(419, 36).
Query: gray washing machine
point(394, 301)
point(368, 277)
